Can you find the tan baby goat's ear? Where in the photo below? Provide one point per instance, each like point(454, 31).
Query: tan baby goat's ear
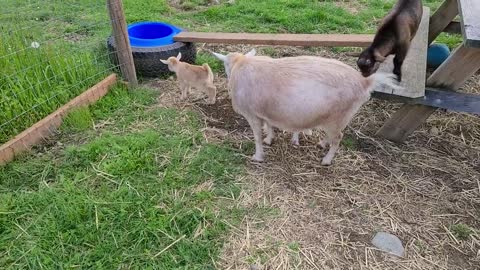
point(164, 61)
point(179, 56)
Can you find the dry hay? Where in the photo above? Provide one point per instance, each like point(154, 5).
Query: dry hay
point(318, 217)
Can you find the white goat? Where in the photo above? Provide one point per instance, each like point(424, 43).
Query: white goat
point(269, 139)
point(297, 94)
point(188, 76)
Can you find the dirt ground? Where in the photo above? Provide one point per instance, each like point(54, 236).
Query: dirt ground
point(325, 217)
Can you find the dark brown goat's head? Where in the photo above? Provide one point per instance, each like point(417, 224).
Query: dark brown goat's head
point(369, 61)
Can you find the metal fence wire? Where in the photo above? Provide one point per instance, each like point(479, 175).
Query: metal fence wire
point(50, 52)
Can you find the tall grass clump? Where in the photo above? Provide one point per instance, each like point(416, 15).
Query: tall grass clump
point(36, 80)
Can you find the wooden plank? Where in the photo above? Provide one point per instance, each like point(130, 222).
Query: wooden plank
point(452, 74)
point(440, 98)
point(43, 128)
point(470, 12)
point(442, 18)
point(122, 41)
point(414, 68)
point(404, 121)
point(451, 100)
point(321, 40)
point(453, 27)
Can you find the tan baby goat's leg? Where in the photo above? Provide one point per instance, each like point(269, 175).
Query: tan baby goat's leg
point(211, 93)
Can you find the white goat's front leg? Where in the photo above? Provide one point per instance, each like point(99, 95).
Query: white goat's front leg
point(256, 126)
point(295, 138)
point(334, 140)
point(270, 134)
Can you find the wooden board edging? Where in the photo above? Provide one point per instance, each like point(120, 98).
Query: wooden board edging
point(45, 127)
point(320, 40)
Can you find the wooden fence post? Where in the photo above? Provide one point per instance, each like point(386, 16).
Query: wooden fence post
point(120, 35)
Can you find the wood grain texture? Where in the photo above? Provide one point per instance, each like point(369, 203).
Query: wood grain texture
point(452, 74)
point(404, 121)
point(470, 12)
point(333, 40)
point(122, 41)
point(453, 27)
point(414, 68)
point(442, 18)
point(47, 126)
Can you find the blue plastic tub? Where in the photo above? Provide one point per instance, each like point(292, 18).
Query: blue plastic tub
point(152, 34)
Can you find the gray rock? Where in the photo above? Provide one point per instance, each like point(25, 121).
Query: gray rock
point(254, 267)
point(388, 243)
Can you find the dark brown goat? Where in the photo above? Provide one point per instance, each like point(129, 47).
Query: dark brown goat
point(393, 37)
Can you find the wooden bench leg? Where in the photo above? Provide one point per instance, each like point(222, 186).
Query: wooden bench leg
point(404, 121)
point(452, 74)
point(442, 18)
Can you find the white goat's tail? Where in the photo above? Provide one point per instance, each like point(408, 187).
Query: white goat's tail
point(383, 80)
point(209, 70)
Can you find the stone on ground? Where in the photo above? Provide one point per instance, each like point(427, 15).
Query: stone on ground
point(388, 243)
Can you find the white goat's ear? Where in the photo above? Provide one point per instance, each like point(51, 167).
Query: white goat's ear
point(179, 56)
point(164, 61)
point(251, 53)
point(220, 56)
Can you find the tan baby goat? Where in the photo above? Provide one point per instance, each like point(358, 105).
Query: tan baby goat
point(188, 76)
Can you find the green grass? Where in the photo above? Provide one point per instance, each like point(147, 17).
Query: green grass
point(461, 231)
point(78, 120)
point(36, 81)
point(349, 143)
point(214, 64)
point(121, 196)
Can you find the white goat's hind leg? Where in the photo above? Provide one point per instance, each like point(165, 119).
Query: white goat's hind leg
point(256, 126)
point(295, 138)
point(270, 134)
point(334, 140)
point(325, 141)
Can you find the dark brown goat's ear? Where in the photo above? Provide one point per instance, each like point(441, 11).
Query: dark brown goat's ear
point(378, 57)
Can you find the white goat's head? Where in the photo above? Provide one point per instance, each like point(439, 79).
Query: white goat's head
point(172, 61)
point(229, 59)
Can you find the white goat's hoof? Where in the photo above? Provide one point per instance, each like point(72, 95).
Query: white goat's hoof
point(295, 142)
point(267, 141)
point(257, 158)
point(326, 162)
point(308, 132)
point(323, 143)
point(211, 102)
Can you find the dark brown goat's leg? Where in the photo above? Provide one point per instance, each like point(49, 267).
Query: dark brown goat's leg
point(401, 53)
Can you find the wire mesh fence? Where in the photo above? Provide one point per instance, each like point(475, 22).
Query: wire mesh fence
point(50, 52)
